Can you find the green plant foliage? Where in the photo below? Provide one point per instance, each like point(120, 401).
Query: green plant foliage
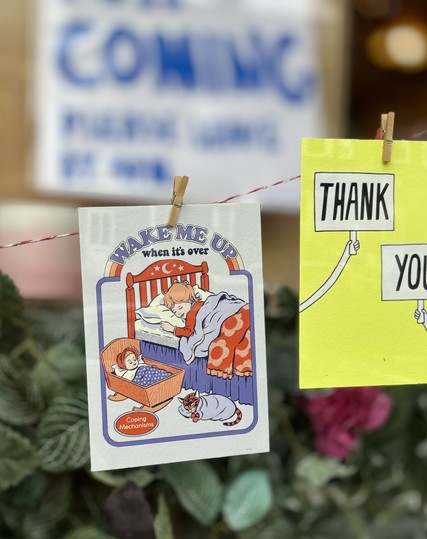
point(87, 532)
point(40, 521)
point(63, 436)
point(320, 470)
point(198, 488)
point(399, 526)
point(281, 316)
point(280, 528)
point(162, 521)
point(346, 523)
point(61, 370)
point(18, 457)
point(11, 306)
point(58, 326)
point(142, 477)
point(248, 499)
point(20, 399)
point(11, 303)
point(47, 492)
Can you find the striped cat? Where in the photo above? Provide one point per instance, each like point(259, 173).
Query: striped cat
point(209, 407)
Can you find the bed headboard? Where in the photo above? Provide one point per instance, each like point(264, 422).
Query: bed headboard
point(158, 277)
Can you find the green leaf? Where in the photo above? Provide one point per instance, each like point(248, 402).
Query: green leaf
point(18, 458)
point(10, 299)
point(10, 312)
point(12, 518)
point(28, 493)
point(67, 361)
point(346, 524)
point(197, 487)
point(58, 325)
point(140, 476)
point(40, 523)
point(63, 436)
point(162, 521)
point(280, 528)
point(63, 365)
point(87, 532)
point(247, 499)
point(20, 401)
point(320, 470)
point(47, 381)
point(398, 526)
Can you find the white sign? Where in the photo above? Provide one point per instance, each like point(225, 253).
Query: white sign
point(131, 93)
point(404, 271)
point(354, 201)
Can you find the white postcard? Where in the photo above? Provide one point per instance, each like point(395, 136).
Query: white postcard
point(175, 340)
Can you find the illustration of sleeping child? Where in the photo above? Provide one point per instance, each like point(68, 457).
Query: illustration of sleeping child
point(182, 301)
point(217, 328)
point(131, 365)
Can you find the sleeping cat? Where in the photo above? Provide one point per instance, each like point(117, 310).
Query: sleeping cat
point(209, 407)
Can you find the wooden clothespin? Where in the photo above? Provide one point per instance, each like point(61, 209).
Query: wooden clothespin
point(179, 187)
point(387, 126)
point(379, 135)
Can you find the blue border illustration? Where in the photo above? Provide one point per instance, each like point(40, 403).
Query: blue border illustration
point(101, 345)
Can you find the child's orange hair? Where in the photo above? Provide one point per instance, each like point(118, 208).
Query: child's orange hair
point(120, 360)
point(179, 293)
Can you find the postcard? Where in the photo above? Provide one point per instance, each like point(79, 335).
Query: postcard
point(175, 338)
point(363, 276)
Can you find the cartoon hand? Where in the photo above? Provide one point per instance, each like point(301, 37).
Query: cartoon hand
point(353, 247)
point(421, 316)
point(166, 326)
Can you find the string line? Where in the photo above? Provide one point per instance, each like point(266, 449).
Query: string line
point(229, 199)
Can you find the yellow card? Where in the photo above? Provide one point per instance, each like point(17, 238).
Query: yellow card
point(363, 277)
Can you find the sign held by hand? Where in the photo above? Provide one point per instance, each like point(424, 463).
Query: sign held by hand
point(404, 271)
point(353, 201)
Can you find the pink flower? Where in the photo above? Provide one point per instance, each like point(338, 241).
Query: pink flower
point(337, 419)
point(335, 442)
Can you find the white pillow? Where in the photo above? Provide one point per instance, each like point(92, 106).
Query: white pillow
point(201, 294)
point(157, 312)
point(158, 301)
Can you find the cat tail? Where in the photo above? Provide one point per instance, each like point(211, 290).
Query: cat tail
point(237, 420)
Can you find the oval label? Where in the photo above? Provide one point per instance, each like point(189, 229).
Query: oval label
point(136, 423)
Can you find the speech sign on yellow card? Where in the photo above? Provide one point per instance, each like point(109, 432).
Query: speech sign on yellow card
point(363, 277)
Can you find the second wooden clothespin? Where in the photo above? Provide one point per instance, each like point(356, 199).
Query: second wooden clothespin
point(387, 126)
point(179, 187)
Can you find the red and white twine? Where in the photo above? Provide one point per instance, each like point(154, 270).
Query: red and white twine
point(229, 199)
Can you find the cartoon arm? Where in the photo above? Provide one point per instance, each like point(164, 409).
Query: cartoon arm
point(167, 326)
point(190, 322)
point(354, 243)
point(350, 249)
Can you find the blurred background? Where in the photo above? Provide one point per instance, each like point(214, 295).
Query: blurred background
point(104, 101)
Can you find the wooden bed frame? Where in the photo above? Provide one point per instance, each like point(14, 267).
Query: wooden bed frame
point(141, 289)
point(156, 278)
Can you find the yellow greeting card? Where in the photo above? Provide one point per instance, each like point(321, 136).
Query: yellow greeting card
point(363, 277)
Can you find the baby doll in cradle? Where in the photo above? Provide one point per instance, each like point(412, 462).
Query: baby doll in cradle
point(127, 361)
point(131, 366)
